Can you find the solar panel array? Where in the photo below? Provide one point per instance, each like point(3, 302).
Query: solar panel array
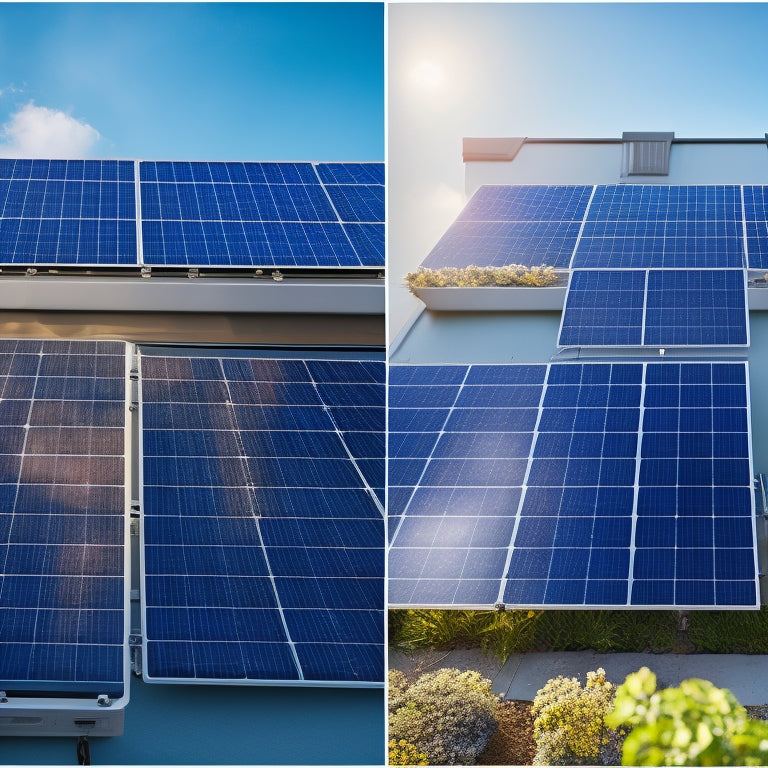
point(572, 484)
point(201, 214)
point(609, 226)
point(263, 537)
point(262, 214)
point(655, 308)
point(63, 591)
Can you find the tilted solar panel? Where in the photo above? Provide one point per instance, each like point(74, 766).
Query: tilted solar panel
point(263, 537)
point(662, 308)
point(503, 225)
point(622, 226)
point(582, 484)
point(63, 587)
point(259, 214)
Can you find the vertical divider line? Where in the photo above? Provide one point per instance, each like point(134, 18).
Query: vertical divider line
point(139, 228)
point(636, 490)
point(645, 305)
point(581, 226)
point(340, 435)
point(256, 517)
point(745, 242)
point(523, 487)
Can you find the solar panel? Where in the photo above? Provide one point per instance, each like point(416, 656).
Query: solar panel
point(603, 308)
point(621, 226)
point(503, 225)
point(60, 212)
point(580, 484)
point(655, 308)
point(639, 225)
point(260, 214)
point(263, 534)
point(756, 224)
point(63, 593)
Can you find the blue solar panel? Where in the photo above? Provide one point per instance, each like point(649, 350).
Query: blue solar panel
point(631, 486)
point(263, 536)
point(756, 219)
point(603, 308)
point(62, 517)
point(59, 212)
point(691, 308)
point(498, 243)
point(514, 225)
point(261, 214)
point(636, 225)
point(655, 308)
point(351, 173)
point(607, 226)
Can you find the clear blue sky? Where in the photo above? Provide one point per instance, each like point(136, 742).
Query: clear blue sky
point(194, 80)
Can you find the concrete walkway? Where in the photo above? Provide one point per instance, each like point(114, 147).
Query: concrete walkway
point(745, 676)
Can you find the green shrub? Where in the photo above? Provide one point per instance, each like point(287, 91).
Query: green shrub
point(497, 632)
point(693, 724)
point(619, 631)
point(448, 715)
point(569, 726)
point(729, 631)
point(472, 276)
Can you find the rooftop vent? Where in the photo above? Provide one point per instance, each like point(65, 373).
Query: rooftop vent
point(645, 154)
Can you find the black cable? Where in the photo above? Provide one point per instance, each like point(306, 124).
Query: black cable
point(83, 751)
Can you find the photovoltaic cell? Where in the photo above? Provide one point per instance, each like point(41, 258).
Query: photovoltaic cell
point(263, 533)
point(62, 517)
point(261, 214)
point(501, 225)
point(59, 212)
point(624, 484)
point(655, 308)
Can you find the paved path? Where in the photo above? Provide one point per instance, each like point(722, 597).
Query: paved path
point(745, 676)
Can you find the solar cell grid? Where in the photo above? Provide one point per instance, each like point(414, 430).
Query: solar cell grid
point(291, 473)
point(62, 517)
point(67, 212)
point(262, 214)
point(633, 489)
point(606, 226)
point(655, 308)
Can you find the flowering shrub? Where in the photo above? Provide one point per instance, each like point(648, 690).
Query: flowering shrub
point(402, 752)
point(569, 726)
point(694, 723)
point(448, 715)
point(472, 276)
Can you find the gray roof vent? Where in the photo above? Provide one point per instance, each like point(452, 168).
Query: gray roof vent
point(645, 154)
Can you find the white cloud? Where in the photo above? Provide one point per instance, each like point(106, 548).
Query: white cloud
point(36, 131)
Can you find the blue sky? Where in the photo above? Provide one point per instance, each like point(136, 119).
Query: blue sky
point(259, 81)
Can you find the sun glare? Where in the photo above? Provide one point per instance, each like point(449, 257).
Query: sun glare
point(427, 74)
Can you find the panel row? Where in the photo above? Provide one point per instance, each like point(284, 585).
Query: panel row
point(621, 226)
point(191, 213)
point(578, 484)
